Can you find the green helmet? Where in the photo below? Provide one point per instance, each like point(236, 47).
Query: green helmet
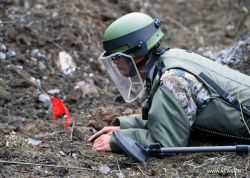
point(134, 34)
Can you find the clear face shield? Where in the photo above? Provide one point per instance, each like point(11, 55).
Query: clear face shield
point(123, 71)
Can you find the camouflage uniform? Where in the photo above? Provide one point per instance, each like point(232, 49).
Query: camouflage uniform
point(189, 92)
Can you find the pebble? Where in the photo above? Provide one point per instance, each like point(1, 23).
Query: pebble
point(87, 88)
point(34, 52)
point(120, 175)
point(66, 63)
point(6, 53)
point(54, 91)
point(11, 53)
point(214, 160)
point(2, 56)
point(3, 48)
point(104, 169)
point(45, 99)
point(33, 142)
point(55, 14)
point(39, 6)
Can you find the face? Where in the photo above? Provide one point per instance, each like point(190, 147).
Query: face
point(141, 72)
point(123, 66)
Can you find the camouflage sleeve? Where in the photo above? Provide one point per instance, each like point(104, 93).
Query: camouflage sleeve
point(189, 92)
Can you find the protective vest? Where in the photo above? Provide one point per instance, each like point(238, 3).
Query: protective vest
point(216, 114)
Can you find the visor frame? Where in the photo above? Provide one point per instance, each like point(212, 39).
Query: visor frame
point(104, 57)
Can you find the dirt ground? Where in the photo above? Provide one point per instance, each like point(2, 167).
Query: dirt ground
point(36, 34)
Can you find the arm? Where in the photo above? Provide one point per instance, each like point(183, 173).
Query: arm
point(131, 121)
point(167, 123)
point(102, 138)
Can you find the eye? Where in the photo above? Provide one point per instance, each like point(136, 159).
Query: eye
point(115, 57)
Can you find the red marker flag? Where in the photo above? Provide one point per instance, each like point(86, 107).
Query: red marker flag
point(58, 108)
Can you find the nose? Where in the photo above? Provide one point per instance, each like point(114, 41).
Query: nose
point(115, 61)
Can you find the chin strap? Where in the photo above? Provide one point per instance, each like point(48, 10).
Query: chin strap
point(141, 63)
point(153, 58)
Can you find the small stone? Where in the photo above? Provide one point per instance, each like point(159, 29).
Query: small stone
point(65, 63)
point(120, 175)
point(54, 91)
point(209, 160)
point(104, 169)
point(62, 153)
point(214, 160)
point(39, 6)
point(42, 65)
point(45, 99)
point(42, 171)
point(11, 53)
point(230, 31)
point(87, 88)
point(74, 155)
point(34, 52)
point(26, 5)
point(33, 142)
point(2, 56)
point(7, 144)
point(1, 23)
point(55, 14)
point(3, 48)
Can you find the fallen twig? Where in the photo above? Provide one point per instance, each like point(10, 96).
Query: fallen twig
point(46, 165)
point(47, 134)
point(8, 22)
point(141, 171)
point(71, 131)
point(4, 91)
point(247, 166)
point(118, 166)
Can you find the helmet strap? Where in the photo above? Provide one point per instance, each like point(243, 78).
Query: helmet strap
point(153, 56)
point(142, 62)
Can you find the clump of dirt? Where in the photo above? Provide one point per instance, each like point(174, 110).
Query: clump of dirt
point(51, 48)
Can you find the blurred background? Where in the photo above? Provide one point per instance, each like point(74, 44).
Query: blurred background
point(51, 48)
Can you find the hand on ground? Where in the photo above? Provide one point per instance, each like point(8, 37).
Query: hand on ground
point(105, 130)
point(102, 143)
point(101, 138)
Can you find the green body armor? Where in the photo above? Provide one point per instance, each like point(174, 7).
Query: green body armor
point(164, 120)
point(216, 114)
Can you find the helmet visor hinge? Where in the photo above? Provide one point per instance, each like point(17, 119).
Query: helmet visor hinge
point(157, 23)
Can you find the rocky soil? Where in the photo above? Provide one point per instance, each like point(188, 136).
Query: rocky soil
point(51, 48)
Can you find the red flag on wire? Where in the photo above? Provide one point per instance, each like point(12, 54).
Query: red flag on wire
point(58, 108)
